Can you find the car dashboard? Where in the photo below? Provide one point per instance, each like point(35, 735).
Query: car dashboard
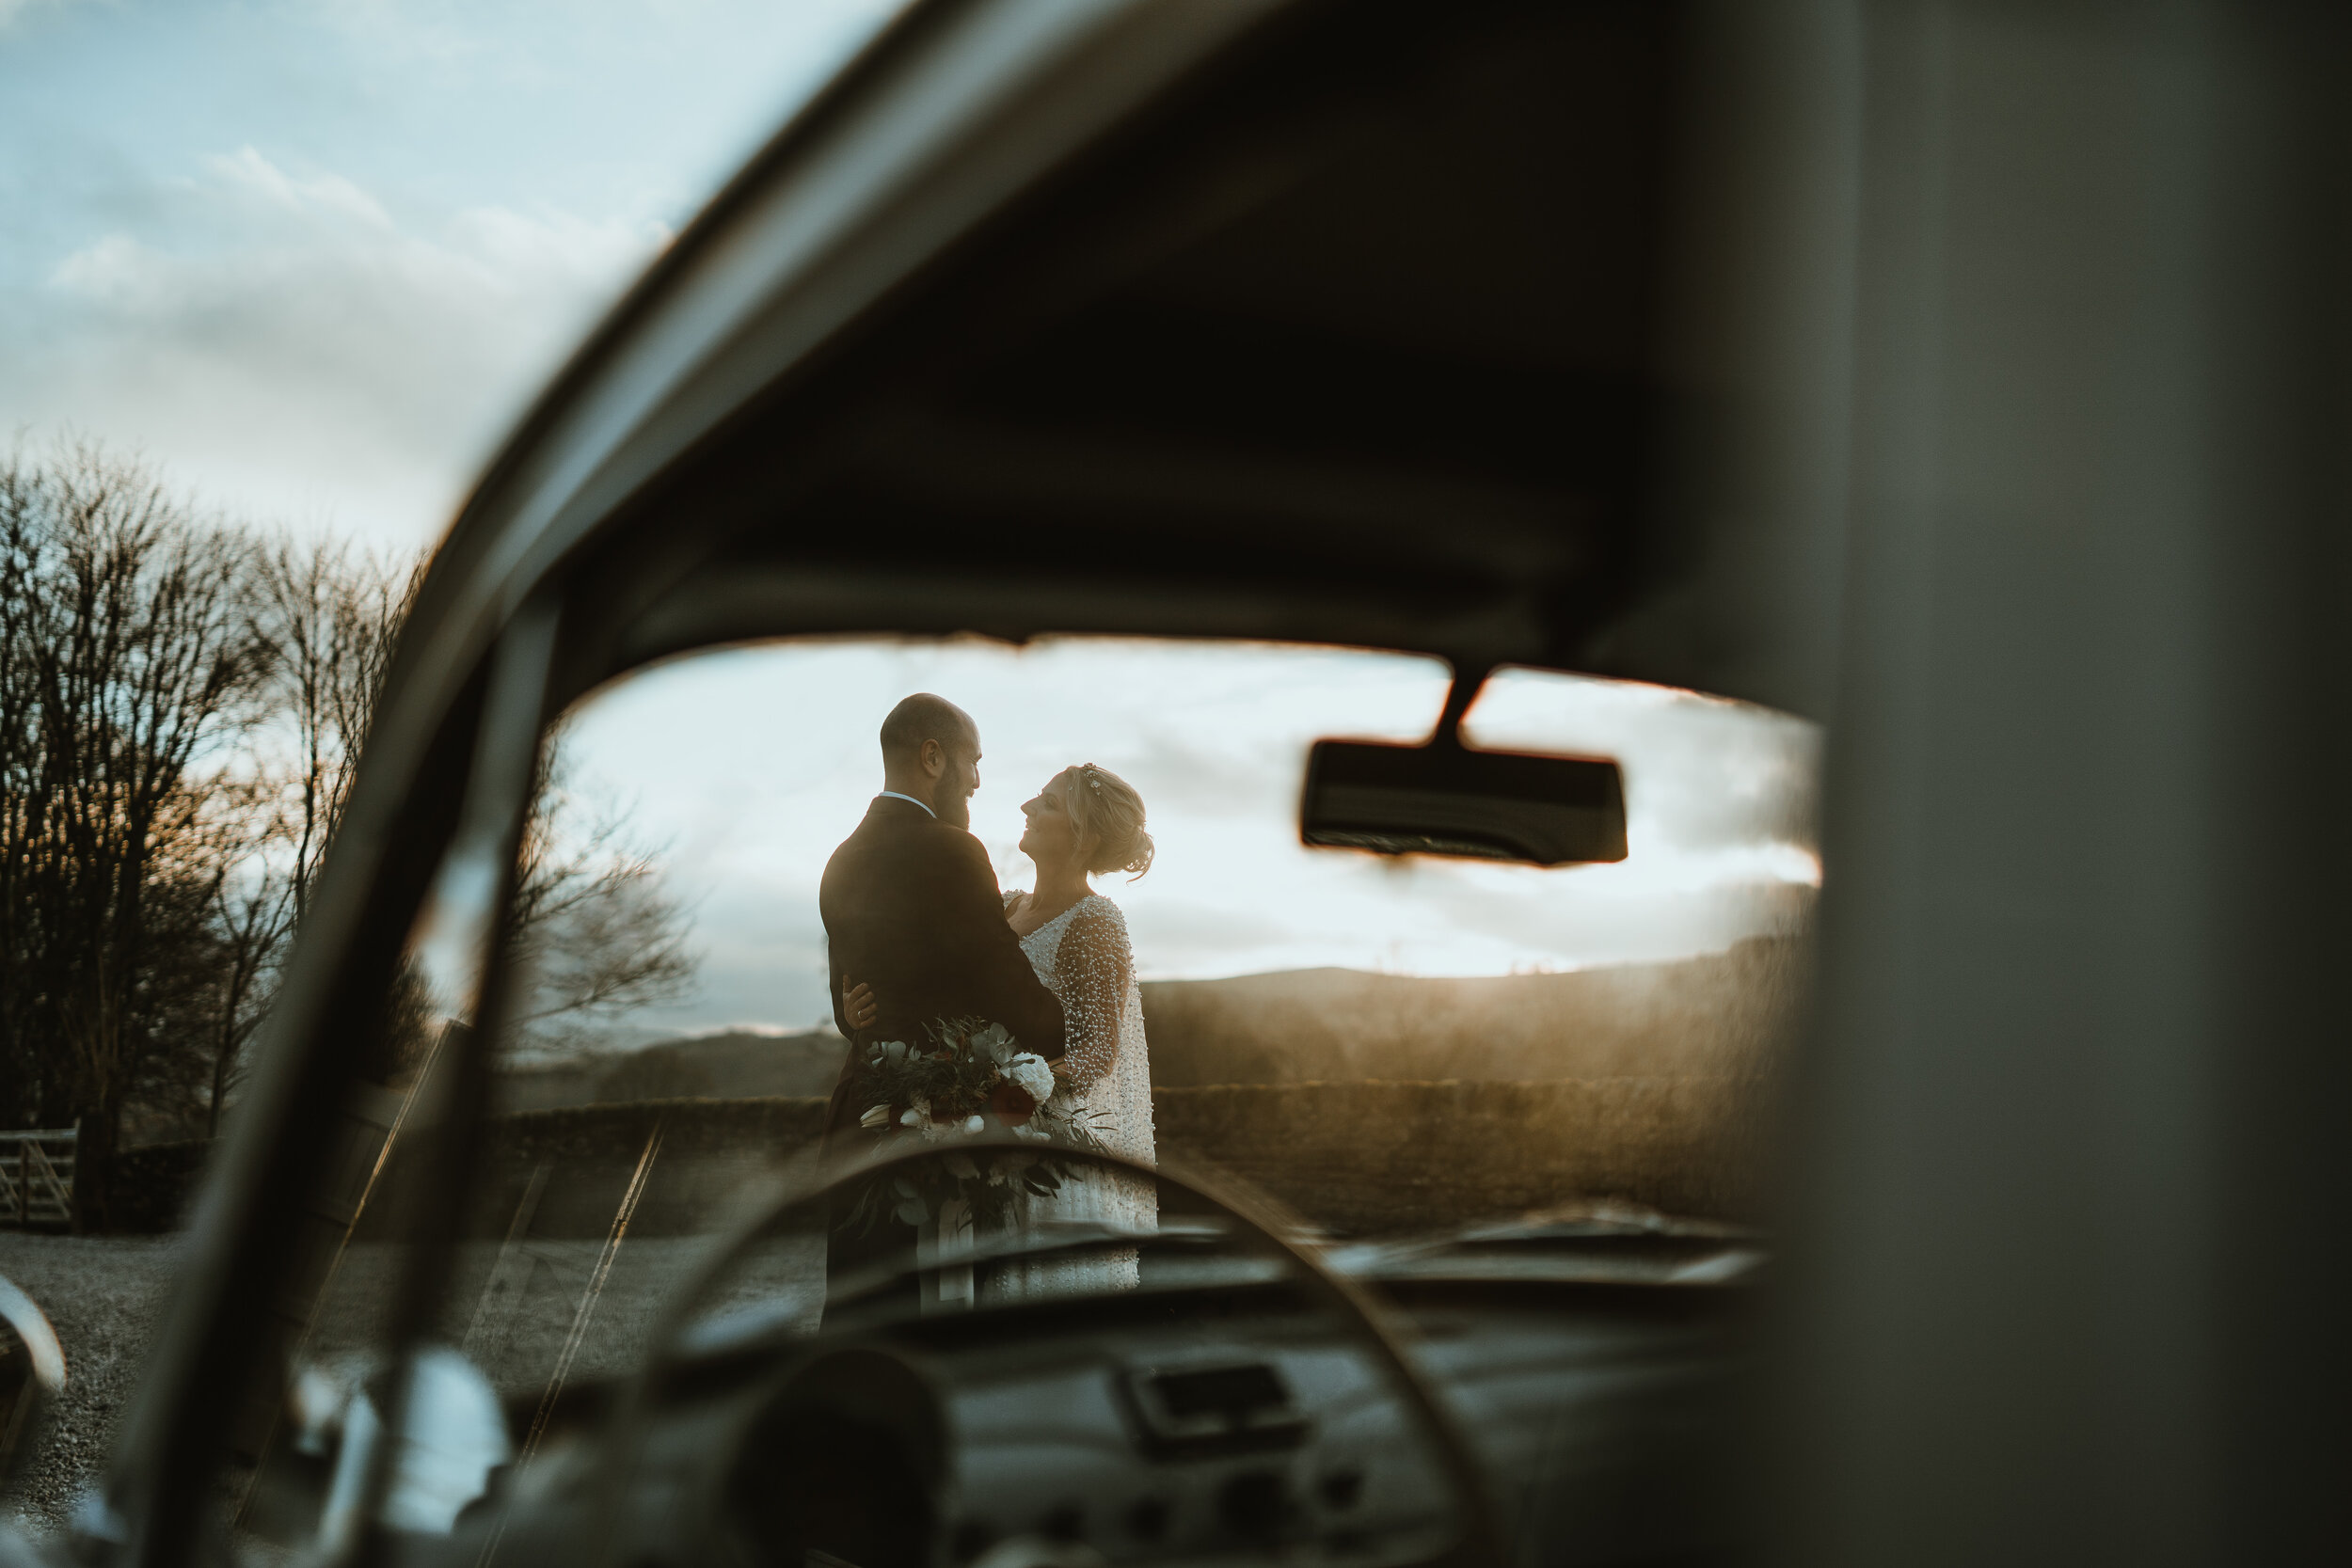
point(1194, 1419)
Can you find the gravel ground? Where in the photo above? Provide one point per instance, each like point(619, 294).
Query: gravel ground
point(102, 1295)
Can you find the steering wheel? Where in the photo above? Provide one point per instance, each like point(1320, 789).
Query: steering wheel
point(1364, 1319)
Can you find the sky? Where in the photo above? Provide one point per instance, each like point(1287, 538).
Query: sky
point(312, 258)
point(745, 812)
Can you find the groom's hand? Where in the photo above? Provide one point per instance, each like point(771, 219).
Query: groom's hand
point(858, 1005)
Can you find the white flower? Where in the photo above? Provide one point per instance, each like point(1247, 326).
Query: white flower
point(973, 1124)
point(1031, 1073)
point(878, 1116)
point(917, 1115)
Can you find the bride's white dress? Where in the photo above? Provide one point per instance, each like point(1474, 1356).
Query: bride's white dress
point(1085, 959)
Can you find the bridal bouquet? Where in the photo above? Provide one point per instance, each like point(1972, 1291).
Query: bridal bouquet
point(968, 1078)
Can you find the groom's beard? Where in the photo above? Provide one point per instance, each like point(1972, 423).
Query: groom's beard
point(953, 804)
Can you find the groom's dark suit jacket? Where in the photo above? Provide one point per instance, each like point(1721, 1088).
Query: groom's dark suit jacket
point(912, 909)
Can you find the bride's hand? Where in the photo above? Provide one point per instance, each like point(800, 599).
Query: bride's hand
point(858, 1005)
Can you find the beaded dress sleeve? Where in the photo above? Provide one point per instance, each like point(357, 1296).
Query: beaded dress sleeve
point(1097, 967)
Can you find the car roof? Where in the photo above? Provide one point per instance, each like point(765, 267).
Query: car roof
point(1248, 318)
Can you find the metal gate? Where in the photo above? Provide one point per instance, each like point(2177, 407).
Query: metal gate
point(37, 1176)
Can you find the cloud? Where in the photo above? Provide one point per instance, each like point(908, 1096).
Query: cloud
point(1702, 774)
point(294, 340)
point(327, 196)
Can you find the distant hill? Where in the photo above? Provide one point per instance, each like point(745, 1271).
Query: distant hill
point(1717, 1015)
point(740, 1064)
point(1713, 1016)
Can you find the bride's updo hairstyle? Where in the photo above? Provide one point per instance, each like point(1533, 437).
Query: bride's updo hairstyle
point(1106, 815)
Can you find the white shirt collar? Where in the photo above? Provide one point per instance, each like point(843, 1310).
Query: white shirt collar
point(894, 795)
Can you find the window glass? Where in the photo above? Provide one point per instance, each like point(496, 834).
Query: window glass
point(1385, 1047)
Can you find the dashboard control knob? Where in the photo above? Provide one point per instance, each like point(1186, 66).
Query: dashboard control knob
point(1254, 1505)
point(1147, 1518)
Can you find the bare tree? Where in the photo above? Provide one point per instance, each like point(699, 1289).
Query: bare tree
point(255, 898)
point(596, 934)
point(133, 666)
point(593, 929)
point(182, 707)
point(329, 616)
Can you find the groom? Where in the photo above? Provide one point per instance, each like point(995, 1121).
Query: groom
point(911, 908)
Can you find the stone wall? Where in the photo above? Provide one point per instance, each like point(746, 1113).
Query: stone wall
point(1371, 1158)
point(713, 1153)
point(1352, 1158)
point(1359, 1158)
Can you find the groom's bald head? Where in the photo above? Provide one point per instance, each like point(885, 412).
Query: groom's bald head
point(920, 717)
point(932, 751)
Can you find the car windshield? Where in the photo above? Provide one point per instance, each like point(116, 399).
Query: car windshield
point(1386, 1046)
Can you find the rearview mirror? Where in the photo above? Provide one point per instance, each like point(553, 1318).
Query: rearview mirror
point(1443, 799)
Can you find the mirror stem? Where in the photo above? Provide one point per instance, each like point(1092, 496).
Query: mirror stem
point(1469, 680)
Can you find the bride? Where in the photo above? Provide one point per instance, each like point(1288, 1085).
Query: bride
point(1085, 821)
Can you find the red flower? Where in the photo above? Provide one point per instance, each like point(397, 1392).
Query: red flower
point(1011, 1103)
